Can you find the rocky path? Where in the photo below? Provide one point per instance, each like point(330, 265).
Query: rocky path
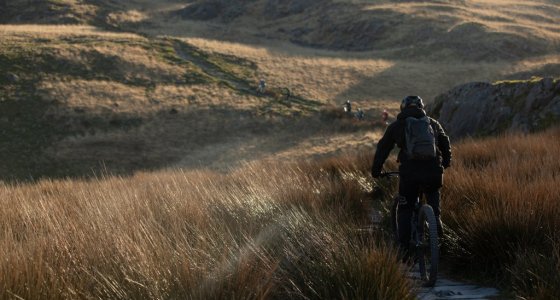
point(447, 288)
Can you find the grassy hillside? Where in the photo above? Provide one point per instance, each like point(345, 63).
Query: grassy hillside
point(57, 11)
point(178, 92)
point(74, 81)
point(434, 30)
point(75, 99)
point(407, 47)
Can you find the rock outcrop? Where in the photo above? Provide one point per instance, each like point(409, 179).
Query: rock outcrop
point(481, 108)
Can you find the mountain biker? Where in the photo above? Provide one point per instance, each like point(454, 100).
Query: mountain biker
point(385, 116)
point(347, 107)
point(360, 114)
point(261, 87)
point(414, 173)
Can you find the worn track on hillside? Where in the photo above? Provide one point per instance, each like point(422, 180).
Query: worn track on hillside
point(211, 69)
point(185, 52)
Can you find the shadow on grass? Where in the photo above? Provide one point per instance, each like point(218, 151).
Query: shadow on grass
point(28, 130)
point(36, 144)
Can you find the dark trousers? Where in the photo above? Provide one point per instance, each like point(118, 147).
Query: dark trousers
point(411, 189)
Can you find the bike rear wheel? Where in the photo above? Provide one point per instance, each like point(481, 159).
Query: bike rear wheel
point(428, 248)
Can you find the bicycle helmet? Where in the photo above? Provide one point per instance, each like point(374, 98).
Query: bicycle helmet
point(412, 101)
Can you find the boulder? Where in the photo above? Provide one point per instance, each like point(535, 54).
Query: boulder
point(480, 108)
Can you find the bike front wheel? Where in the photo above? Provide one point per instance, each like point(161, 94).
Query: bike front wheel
point(428, 248)
point(393, 217)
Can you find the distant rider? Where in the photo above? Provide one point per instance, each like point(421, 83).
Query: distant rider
point(348, 107)
point(414, 173)
point(261, 87)
point(384, 116)
point(360, 114)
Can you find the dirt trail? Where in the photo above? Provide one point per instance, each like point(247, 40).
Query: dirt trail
point(212, 70)
point(449, 289)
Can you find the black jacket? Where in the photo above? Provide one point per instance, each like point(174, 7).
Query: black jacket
point(395, 134)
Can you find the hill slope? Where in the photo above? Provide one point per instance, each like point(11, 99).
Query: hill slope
point(74, 99)
point(175, 92)
point(471, 30)
point(56, 11)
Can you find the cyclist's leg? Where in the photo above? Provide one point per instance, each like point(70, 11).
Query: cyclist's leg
point(433, 197)
point(409, 190)
point(432, 182)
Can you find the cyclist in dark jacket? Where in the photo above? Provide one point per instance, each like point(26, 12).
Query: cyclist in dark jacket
point(414, 173)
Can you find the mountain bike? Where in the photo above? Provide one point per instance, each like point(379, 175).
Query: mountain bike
point(423, 236)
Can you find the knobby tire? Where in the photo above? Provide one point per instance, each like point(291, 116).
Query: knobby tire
point(428, 252)
point(394, 221)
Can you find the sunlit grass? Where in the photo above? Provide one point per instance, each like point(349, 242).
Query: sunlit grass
point(35, 30)
point(263, 231)
point(501, 204)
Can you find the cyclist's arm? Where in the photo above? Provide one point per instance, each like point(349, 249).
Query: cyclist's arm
point(444, 146)
point(384, 147)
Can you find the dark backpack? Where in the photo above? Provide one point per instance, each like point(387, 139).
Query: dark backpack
point(420, 139)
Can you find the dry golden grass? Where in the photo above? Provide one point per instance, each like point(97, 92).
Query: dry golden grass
point(333, 76)
point(501, 203)
point(263, 231)
point(500, 209)
point(134, 61)
point(131, 17)
point(34, 30)
point(108, 97)
point(312, 74)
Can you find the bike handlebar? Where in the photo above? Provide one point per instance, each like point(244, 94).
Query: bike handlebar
point(389, 174)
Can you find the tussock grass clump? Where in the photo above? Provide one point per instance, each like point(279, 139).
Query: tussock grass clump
point(501, 203)
point(263, 231)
